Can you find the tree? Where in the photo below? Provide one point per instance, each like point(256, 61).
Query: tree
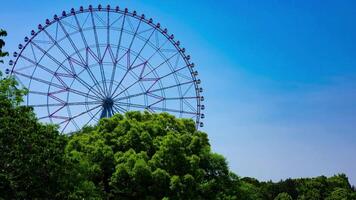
point(341, 194)
point(151, 156)
point(283, 196)
point(335, 187)
point(30, 152)
point(3, 33)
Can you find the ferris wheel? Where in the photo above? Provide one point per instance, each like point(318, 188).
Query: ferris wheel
point(91, 63)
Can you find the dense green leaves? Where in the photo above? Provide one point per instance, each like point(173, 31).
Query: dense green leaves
point(283, 196)
point(31, 153)
point(150, 156)
point(319, 188)
point(3, 33)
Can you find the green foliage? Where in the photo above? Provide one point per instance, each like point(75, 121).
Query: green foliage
point(3, 33)
point(341, 194)
point(151, 156)
point(319, 188)
point(283, 196)
point(30, 152)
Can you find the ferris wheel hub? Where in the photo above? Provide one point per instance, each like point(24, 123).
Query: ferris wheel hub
point(108, 102)
point(107, 105)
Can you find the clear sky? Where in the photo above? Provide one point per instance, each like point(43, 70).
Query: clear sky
point(279, 76)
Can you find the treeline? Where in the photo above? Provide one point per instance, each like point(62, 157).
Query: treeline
point(319, 188)
point(131, 156)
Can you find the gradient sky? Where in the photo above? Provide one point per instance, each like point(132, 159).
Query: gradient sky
point(279, 76)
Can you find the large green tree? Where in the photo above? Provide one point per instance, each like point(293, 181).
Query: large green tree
point(151, 156)
point(30, 152)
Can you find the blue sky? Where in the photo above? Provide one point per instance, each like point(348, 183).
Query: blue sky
point(279, 76)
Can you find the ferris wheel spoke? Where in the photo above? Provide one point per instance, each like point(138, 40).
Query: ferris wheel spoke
point(66, 104)
point(99, 90)
point(108, 28)
point(98, 94)
point(83, 94)
point(65, 126)
point(123, 77)
point(75, 124)
point(35, 63)
point(92, 117)
point(189, 105)
point(113, 71)
point(154, 81)
point(80, 114)
point(162, 77)
point(57, 76)
point(71, 72)
point(65, 90)
point(129, 65)
point(179, 98)
point(99, 55)
point(77, 92)
point(173, 72)
point(187, 90)
point(141, 78)
point(134, 35)
point(119, 108)
point(39, 80)
point(71, 41)
point(120, 37)
point(69, 25)
point(79, 55)
point(99, 18)
point(173, 110)
point(146, 41)
point(155, 90)
point(87, 49)
point(116, 20)
point(53, 58)
point(146, 61)
point(131, 105)
point(157, 49)
point(156, 108)
point(58, 46)
point(132, 73)
point(116, 56)
point(155, 103)
point(33, 53)
point(164, 62)
point(172, 86)
point(81, 31)
point(131, 96)
point(115, 109)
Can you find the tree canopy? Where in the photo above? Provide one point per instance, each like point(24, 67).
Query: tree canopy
point(150, 156)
